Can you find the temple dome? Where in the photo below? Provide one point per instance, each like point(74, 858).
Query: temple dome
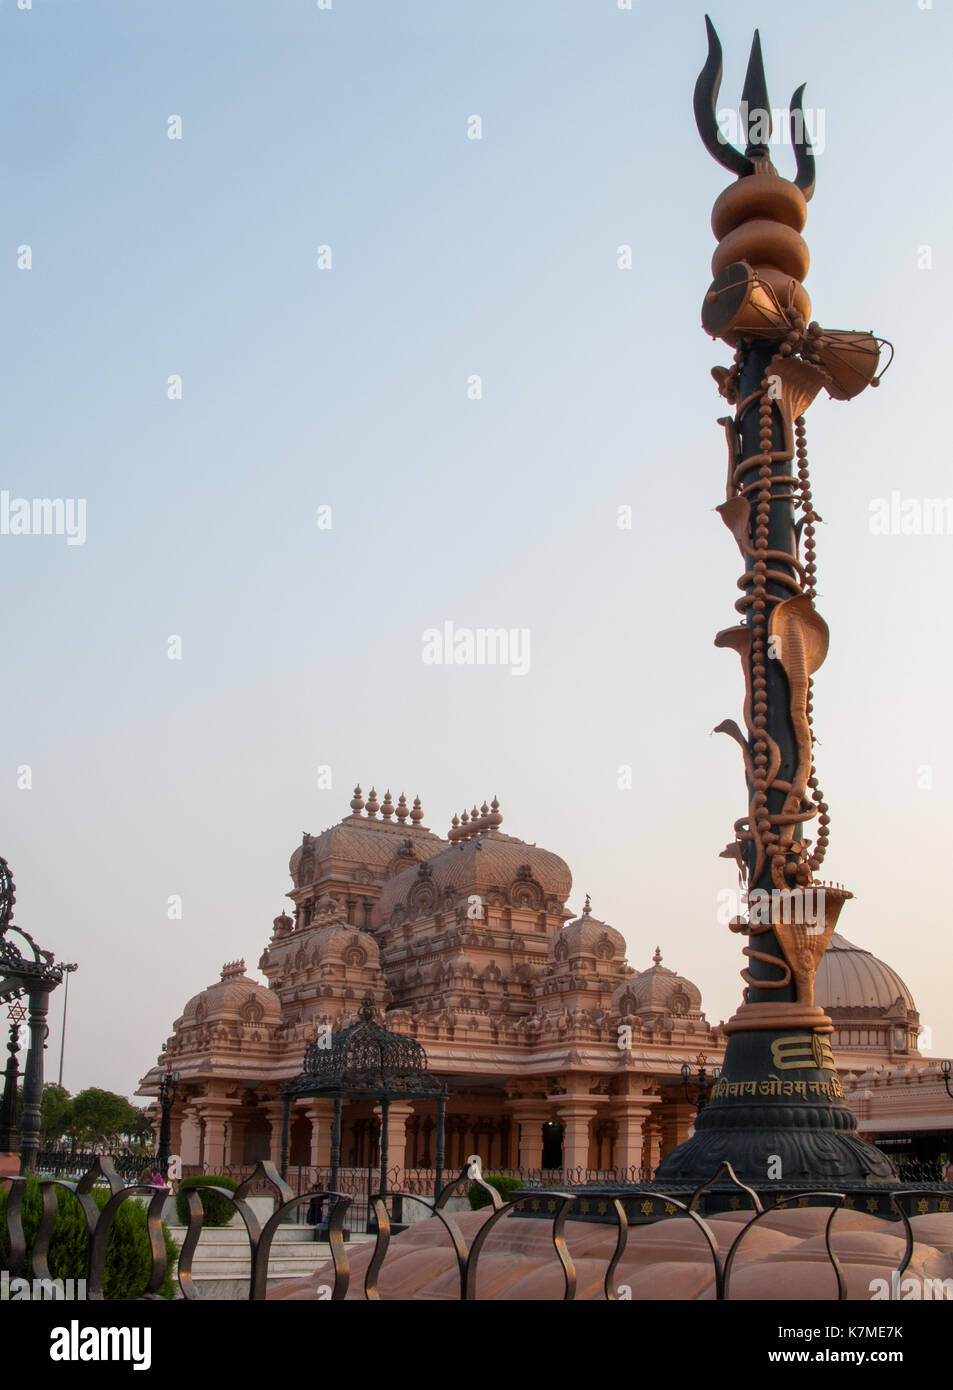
point(657, 990)
point(587, 936)
point(234, 996)
point(849, 977)
point(364, 842)
point(524, 874)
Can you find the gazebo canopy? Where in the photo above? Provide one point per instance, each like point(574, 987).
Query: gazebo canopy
point(366, 1061)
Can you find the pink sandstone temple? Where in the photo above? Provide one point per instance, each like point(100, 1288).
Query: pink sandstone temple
point(556, 1052)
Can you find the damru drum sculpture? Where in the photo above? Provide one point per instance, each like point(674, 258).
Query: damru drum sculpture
point(777, 1112)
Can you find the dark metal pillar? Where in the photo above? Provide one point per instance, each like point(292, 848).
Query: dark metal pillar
point(781, 539)
point(335, 1144)
point(438, 1161)
point(33, 1078)
point(285, 1129)
point(385, 1111)
point(8, 1111)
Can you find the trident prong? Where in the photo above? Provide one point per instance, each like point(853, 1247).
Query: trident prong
point(755, 106)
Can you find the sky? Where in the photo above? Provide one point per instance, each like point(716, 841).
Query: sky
point(327, 372)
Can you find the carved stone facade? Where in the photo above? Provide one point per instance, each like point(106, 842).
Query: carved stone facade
point(556, 1052)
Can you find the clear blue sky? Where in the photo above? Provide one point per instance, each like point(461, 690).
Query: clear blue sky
point(348, 388)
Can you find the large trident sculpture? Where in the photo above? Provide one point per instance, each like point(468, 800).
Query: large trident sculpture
point(777, 1112)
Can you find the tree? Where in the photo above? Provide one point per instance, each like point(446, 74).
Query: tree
point(56, 1111)
point(98, 1114)
point(143, 1127)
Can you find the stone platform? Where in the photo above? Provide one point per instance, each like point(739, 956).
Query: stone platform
point(783, 1257)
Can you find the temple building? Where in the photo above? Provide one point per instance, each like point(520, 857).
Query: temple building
point(555, 1051)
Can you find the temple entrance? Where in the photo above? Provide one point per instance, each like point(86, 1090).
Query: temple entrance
point(552, 1144)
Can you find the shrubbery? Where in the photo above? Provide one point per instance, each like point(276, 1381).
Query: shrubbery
point(504, 1186)
point(128, 1253)
point(218, 1211)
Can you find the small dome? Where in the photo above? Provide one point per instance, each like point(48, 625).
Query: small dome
point(587, 936)
point(849, 977)
point(234, 997)
point(344, 945)
point(658, 990)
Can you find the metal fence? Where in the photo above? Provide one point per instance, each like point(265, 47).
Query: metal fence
point(65, 1162)
point(547, 1204)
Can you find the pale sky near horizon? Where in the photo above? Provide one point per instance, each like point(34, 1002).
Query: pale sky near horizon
point(347, 388)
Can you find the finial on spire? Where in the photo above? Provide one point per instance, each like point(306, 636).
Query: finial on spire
point(495, 819)
point(465, 826)
point(357, 801)
point(417, 814)
point(587, 909)
point(657, 958)
point(755, 106)
point(373, 805)
point(453, 834)
point(403, 810)
point(387, 810)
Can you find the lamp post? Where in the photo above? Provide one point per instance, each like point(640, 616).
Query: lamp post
point(168, 1086)
point(67, 971)
point(701, 1069)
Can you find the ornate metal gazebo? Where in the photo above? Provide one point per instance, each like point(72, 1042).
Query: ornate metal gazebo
point(365, 1062)
point(34, 974)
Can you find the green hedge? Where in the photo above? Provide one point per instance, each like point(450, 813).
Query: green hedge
point(128, 1253)
point(504, 1186)
point(218, 1211)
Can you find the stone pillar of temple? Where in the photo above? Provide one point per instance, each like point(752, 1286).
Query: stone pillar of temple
point(530, 1116)
point(235, 1138)
point(576, 1116)
point(399, 1112)
point(216, 1114)
point(190, 1141)
point(320, 1113)
point(677, 1119)
point(630, 1138)
point(273, 1109)
point(175, 1132)
point(652, 1151)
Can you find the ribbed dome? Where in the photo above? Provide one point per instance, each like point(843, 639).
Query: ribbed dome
point(525, 874)
point(587, 936)
point(234, 996)
point(362, 842)
point(849, 977)
point(658, 990)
